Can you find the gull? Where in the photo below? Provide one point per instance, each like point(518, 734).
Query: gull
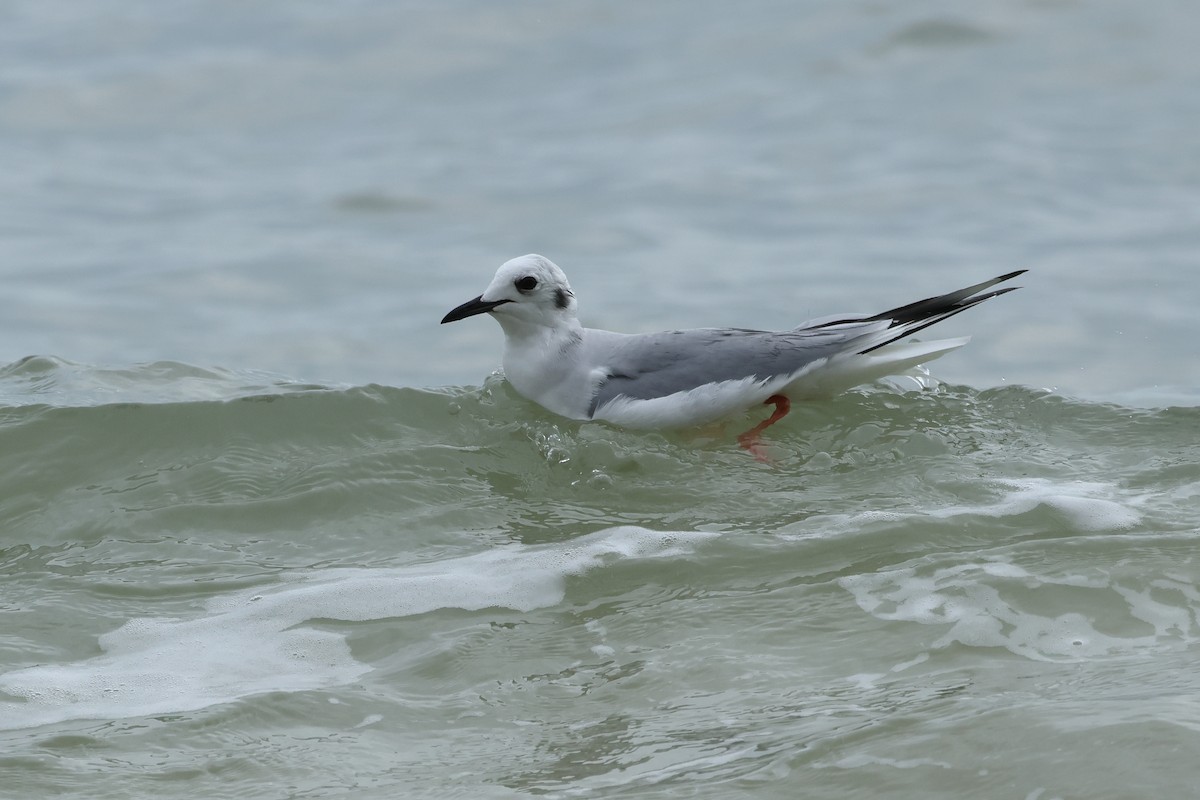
point(683, 378)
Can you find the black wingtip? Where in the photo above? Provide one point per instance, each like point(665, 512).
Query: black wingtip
point(920, 315)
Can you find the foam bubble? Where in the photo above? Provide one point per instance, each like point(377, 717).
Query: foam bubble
point(255, 641)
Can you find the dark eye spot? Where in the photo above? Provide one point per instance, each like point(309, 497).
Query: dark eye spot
point(526, 284)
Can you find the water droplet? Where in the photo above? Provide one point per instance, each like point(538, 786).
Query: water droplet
point(600, 480)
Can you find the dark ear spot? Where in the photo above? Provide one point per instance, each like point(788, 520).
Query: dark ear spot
point(560, 299)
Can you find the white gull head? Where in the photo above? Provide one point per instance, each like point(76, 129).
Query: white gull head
point(534, 304)
point(528, 292)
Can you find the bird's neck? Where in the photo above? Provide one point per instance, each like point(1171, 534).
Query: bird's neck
point(523, 333)
point(539, 364)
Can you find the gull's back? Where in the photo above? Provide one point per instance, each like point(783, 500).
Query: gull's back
point(693, 376)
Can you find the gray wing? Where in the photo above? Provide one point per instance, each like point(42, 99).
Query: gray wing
point(658, 364)
point(643, 367)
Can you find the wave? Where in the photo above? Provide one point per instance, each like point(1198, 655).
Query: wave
point(168, 441)
point(256, 641)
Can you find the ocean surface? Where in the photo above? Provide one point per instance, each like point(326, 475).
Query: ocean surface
point(268, 530)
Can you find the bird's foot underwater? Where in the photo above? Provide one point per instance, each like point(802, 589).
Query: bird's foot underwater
point(751, 440)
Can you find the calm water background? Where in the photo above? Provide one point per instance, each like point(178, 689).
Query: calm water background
point(268, 530)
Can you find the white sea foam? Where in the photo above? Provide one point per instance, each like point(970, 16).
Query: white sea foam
point(993, 601)
point(993, 604)
point(1084, 507)
point(1042, 616)
point(252, 642)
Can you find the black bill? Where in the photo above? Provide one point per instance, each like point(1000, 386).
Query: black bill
point(471, 308)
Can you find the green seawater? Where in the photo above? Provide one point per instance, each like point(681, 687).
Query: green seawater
point(220, 584)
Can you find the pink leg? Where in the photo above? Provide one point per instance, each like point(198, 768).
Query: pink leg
point(750, 439)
